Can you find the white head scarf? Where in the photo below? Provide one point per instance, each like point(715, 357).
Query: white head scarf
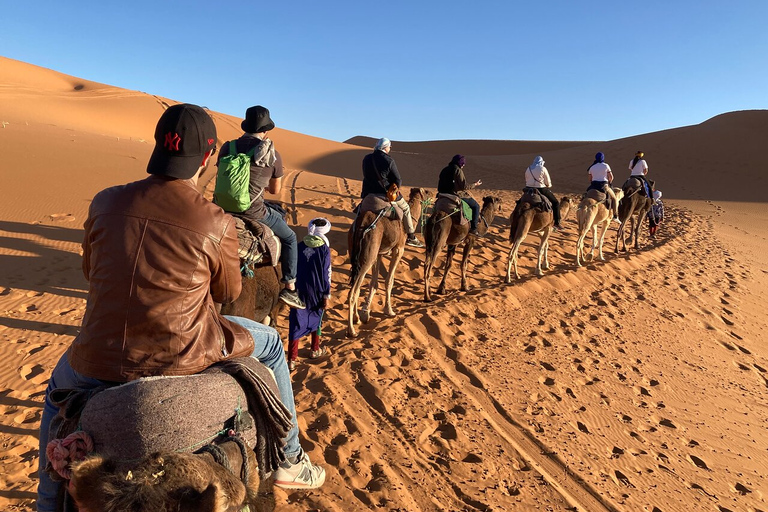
point(537, 162)
point(320, 231)
point(382, 143)
point(656, 195)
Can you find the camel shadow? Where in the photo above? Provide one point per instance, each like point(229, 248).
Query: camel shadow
point(42, 268)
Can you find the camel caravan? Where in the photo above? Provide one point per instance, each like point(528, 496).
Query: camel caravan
point(177, 394)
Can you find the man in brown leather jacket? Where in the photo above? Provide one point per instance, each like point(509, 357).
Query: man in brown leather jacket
point(157, 257)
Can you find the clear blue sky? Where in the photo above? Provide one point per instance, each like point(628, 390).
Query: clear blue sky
point(417, 70)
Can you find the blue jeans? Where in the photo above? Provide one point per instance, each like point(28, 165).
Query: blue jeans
point(289, 253)
point(268, 350)
point(64, 377)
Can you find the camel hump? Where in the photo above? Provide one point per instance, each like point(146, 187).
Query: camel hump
point(597, 195)
point(376, 203)
point(535, 198)
point(631, 184)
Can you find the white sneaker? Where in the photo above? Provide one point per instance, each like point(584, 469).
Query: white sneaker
point(616, 220)
point(302, 475)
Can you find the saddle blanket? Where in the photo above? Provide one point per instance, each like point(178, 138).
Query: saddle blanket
point(448, 203)
point(375, 203)
point(258, 243)
point(535, 198)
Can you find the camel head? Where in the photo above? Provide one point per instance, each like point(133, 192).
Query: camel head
point(492, 202)
point(419, 194)
point(169, 481)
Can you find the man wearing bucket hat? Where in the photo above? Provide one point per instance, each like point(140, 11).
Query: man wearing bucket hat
point(157, 256)
point(267, 176)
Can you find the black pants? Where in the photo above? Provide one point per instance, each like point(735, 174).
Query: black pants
point(545, 191)
point(475, 211)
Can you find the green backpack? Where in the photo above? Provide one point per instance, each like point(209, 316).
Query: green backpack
point(232, 180)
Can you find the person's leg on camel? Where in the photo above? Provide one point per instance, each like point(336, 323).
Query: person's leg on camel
point(297, 472)
point(555, 206)
point(475, 215)
point(410, 228)
point(614, 203)
point(289, 256)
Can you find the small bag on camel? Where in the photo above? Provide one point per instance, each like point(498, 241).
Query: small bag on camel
point(232, 180)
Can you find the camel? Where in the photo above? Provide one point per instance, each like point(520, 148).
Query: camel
point(528, 218)
point(259, 298)
point(219, 480)
point(442, 229)
point(593, 215)
point(633, 207)
point(369, 241)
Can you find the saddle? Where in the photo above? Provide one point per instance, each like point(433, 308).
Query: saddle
point(449, 204)
point(258, 244)
point(376, 203)
point(635, 184)
point(536, 199)
point(129, 422)
point(599, 196)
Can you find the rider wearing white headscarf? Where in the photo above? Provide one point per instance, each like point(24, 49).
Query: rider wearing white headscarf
point(537, 176)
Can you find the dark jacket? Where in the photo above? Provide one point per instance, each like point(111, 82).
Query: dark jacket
point(157, 255)
point(379, 171)
point(452, 181)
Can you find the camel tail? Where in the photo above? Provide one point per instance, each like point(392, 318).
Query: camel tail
point(429, 234)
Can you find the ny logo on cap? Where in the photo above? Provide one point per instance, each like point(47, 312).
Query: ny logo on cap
point(172, 141)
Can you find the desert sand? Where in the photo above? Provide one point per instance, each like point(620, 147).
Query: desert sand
point(635, 384)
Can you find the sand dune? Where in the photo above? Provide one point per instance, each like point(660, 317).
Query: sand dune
point(637, 384)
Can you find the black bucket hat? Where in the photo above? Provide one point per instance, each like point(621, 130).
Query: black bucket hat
point(184, 134)
point(257, 120)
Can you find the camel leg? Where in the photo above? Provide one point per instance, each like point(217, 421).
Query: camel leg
point(542, 251)
point(594, 245)
point(603, 231)
point(391, 280)
point(468, 246)
point(639, 226)
point(429, 260)
point(546, 248)
point(621, 244)
point(354, 297)
point(365, 310)
point(446, 268)
point(520, 235)
point(431, 256)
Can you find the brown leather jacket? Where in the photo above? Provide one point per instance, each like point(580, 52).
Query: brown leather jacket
point(157, 256)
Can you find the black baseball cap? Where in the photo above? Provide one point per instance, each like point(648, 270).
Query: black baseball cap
point(184, 134)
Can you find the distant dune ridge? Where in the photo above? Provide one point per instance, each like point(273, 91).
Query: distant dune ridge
point(637, 384)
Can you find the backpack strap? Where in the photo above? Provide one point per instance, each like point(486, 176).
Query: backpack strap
point(233, 149)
